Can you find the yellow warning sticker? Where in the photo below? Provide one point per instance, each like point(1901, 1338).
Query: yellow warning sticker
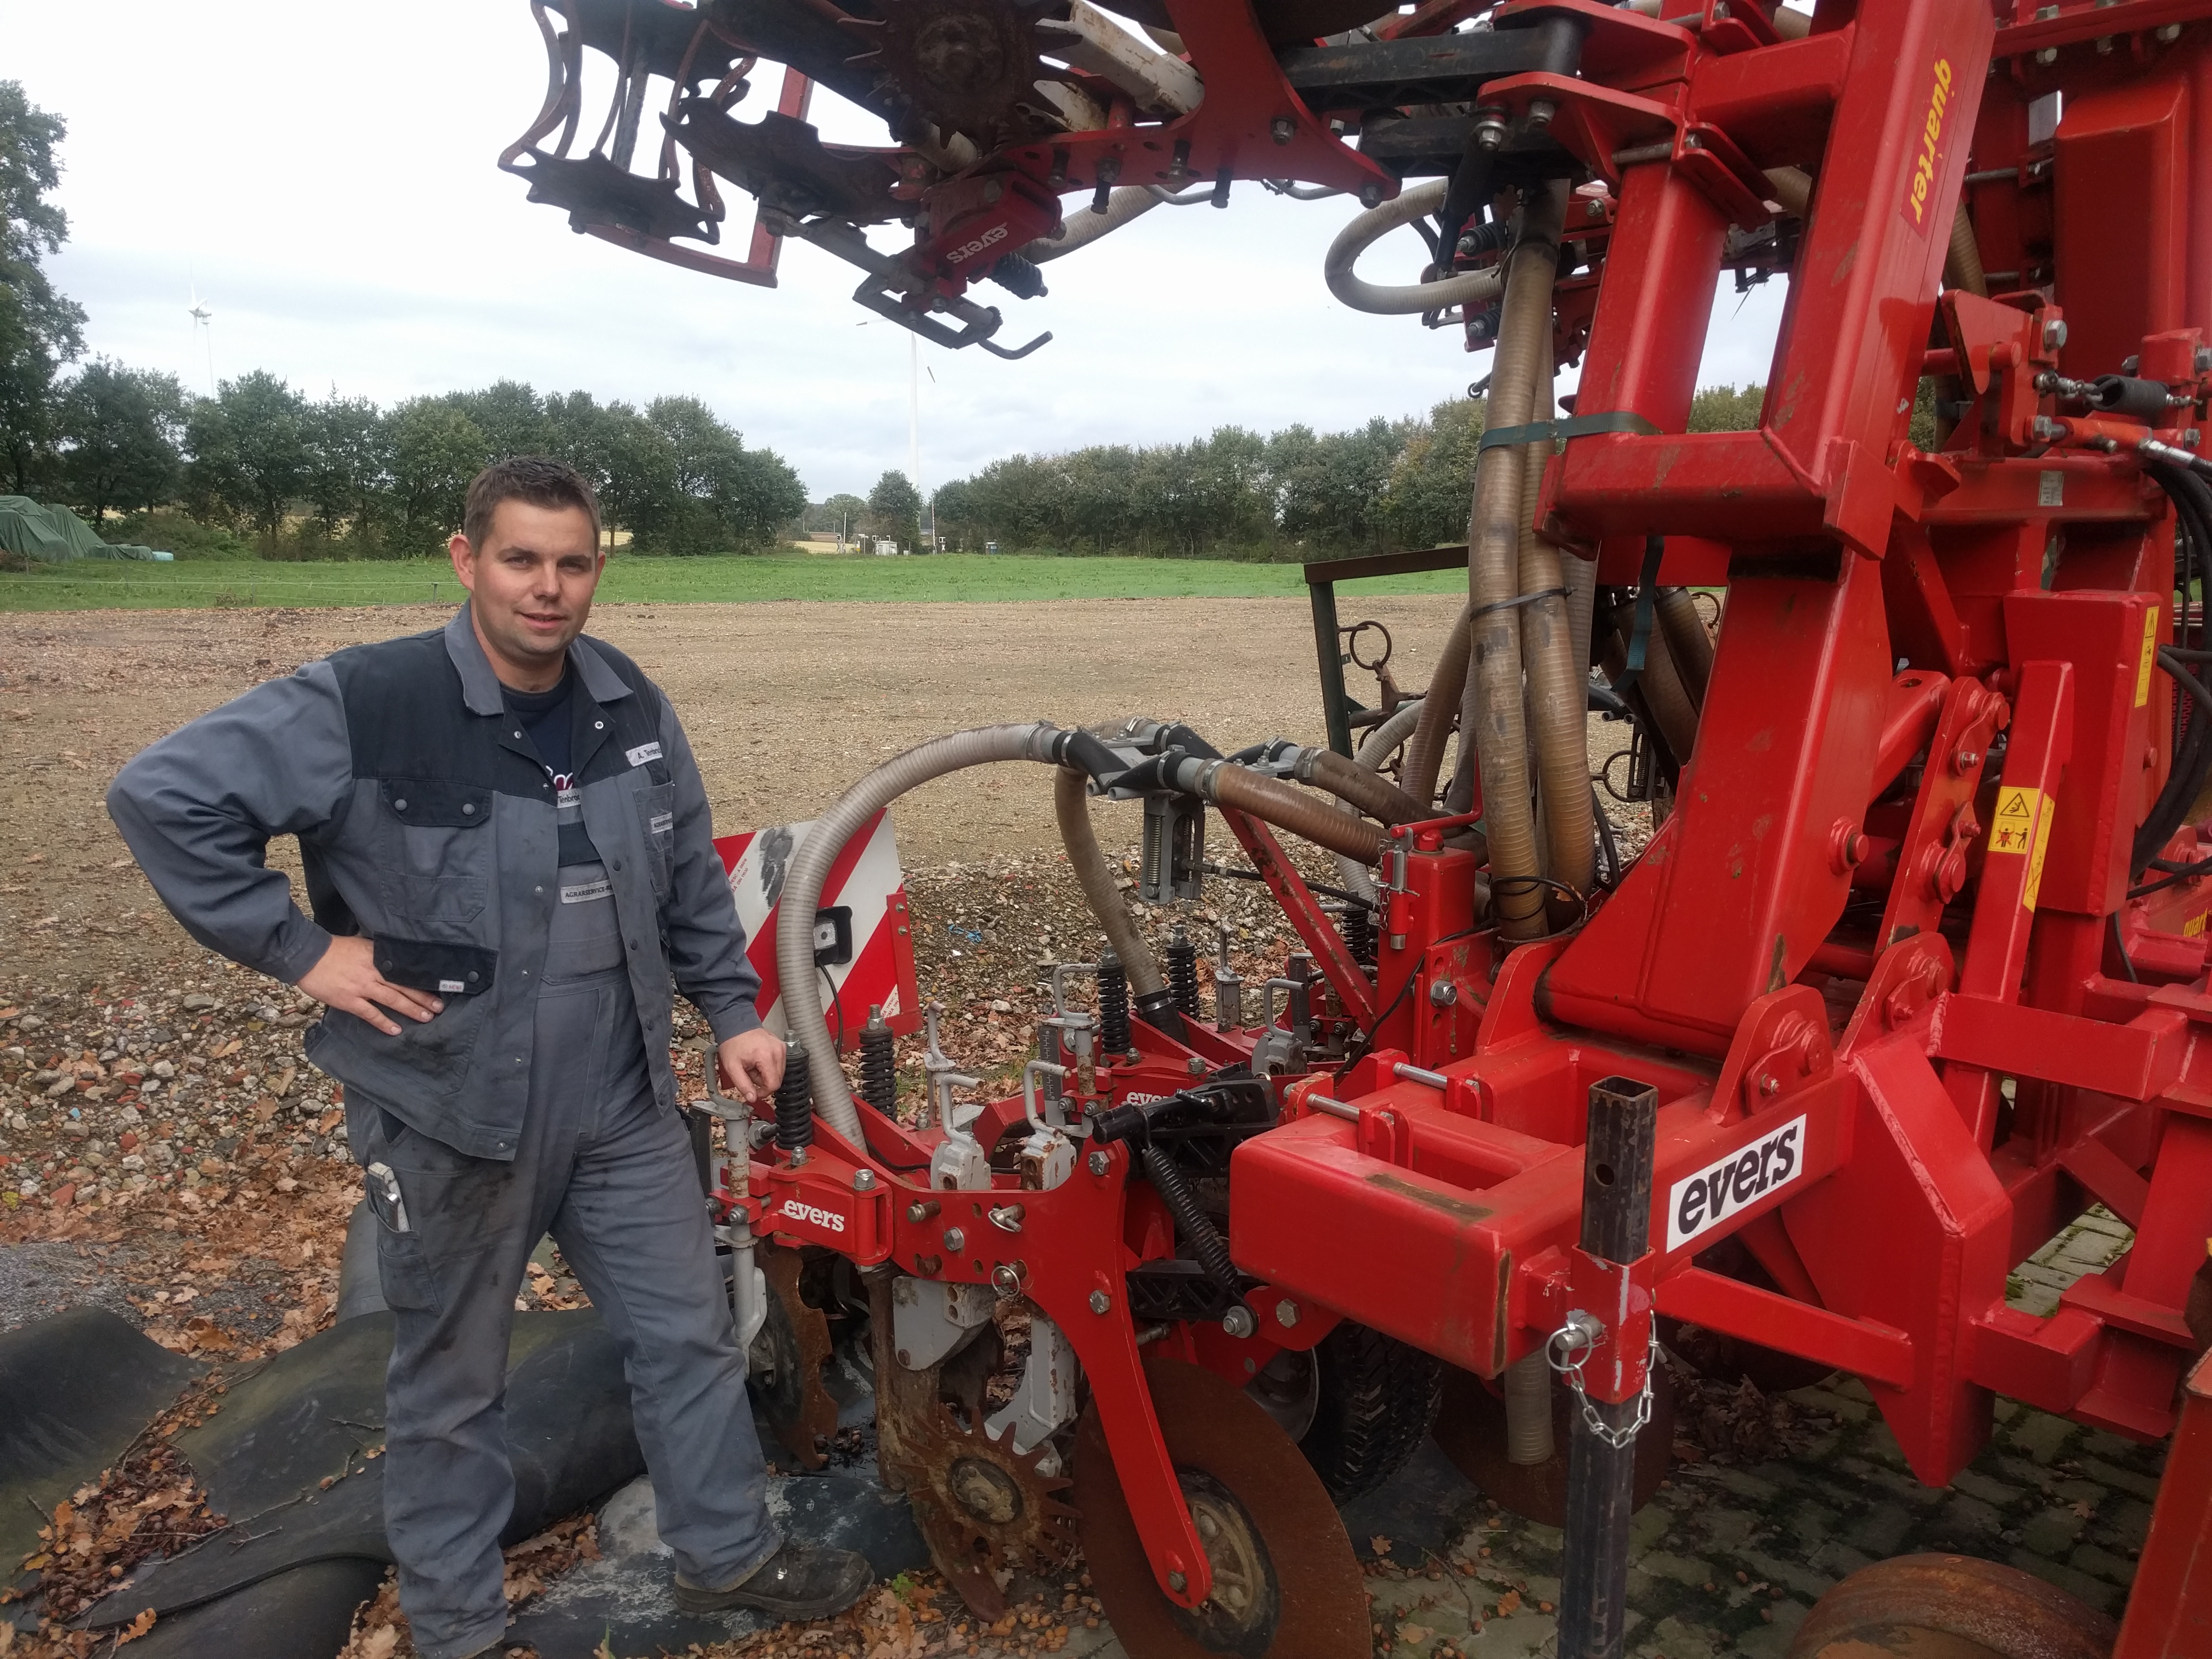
point(2035, 859)
point(2149, 656)
point(2012, 829)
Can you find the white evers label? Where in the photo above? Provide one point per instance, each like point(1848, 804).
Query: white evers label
point(829, 1220)
point(1699, 1203)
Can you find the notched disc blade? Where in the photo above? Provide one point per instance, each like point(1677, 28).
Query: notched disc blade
point(1225, 1447)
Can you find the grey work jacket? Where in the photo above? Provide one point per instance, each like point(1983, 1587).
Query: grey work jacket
point(427, 822)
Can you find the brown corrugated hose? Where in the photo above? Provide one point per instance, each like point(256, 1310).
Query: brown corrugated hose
point(1491, 708)
point(1558, 684)
point(1689, 645)
point(1425, 750)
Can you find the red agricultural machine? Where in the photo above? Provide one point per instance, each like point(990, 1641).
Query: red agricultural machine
point(1913, 972)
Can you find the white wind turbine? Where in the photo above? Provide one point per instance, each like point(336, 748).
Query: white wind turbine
point(203, 324)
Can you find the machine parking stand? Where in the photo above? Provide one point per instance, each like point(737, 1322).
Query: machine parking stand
point(1911, 974)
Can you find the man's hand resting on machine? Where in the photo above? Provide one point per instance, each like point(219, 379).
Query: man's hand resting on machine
point(346, 978)
point(752, 1065)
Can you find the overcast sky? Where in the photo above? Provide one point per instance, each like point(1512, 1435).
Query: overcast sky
point(324, 179)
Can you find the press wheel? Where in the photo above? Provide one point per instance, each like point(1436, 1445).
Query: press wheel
point(1286, 1585)
point(1471, 1430)
point(1951, 1607)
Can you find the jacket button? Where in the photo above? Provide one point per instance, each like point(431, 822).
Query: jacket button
point(618, 864)
point(599, 726)
point(468, 807)
point(472, 979)
point(399, 806)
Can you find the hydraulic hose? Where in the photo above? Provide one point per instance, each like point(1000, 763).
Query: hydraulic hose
point(1491, 708)
point(1071, 806)
point(1581, 609)
point(1688, 646)
point(1468, 287)
point(810, 866)
point(1558, 683)
point(1424, 752)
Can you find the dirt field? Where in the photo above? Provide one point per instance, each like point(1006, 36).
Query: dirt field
point(786, 706)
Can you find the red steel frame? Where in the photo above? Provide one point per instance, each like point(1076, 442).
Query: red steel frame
point(1889, 1122)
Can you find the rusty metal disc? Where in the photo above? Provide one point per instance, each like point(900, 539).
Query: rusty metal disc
point(1286, 1585)
point(1471, 1429)
point(786, 1361)
point(1951, 1607)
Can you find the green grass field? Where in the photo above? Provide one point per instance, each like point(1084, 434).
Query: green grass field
point(956, 577)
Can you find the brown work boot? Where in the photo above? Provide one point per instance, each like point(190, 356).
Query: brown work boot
point(799, 1581)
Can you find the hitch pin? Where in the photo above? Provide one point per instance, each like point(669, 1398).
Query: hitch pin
point(1344, 1109)
point(1426, 1078)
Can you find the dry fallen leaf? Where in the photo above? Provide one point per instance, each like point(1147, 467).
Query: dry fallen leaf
point(1414, 1635)
point(1508, 1602)
point(1379, 1544)
point(136, 1628)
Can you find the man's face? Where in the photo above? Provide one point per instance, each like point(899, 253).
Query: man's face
point(529, 587)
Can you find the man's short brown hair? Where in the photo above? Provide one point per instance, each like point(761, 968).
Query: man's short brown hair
point(538, 480)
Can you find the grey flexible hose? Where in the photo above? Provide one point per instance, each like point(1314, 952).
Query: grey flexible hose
point(1084, 227)
point(1470, 287)
point(1376, 747)
point(810, 867)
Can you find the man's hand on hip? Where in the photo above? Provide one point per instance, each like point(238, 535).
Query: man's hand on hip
point(346, 978)
point(752, 1065)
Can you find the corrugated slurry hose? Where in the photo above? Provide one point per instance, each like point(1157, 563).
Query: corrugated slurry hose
point(1558, 680)
point(1689, 647)
point(1491, 708)
point(1425, 751)
point(1071, 806)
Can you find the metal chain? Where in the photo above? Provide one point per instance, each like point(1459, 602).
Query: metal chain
point(1568, 1347)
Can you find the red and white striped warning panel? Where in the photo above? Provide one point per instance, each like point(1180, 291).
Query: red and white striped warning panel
point(863, 937)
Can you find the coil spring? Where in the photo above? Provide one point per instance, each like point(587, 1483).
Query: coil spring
point(1359, 928)
point(1194, 1223)
point(794, 1101)
point(1113, 1005)
point(1182, 975)
point(878, 1064)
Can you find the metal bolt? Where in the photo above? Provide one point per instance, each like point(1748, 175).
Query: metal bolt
point(2203, 363)
point(1541, 111)
point(2046, 430)
point(1284, 128)
point(955, 1240)
point(1195, 1067)
point(863, 1180)
point(1099, 1163)
point(2169, 34)
point(2048, 56)
point(921, 1210)
point(2191, 438)
point(1443, 993)
point(1769, 1083)
point(2054, 334)
point(1006, 1279)
point(1370, 195)
point(1007, 1217)
point(1595, 210)
point(1489, 127)
point(1286, 1313)
point(1239, 1322)
point(1967, 759)
point(1177, 1583)
point(1100, 1301)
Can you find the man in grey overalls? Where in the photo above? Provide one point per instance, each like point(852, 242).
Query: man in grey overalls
point(508, 860)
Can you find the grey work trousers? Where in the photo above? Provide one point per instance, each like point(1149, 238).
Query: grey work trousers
point(610, 1176)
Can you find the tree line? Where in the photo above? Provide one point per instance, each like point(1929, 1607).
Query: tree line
point(334, 475)
point(1295, 493)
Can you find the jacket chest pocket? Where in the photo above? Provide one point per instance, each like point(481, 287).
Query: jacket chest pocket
point(656, 812)
point(433, 850)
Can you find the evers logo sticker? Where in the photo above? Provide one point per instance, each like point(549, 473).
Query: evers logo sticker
point(829, 1220)
point(1697, 1203)
point(1927, 147)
